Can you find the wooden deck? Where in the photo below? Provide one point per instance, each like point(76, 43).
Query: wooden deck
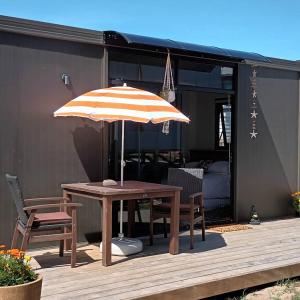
point(224, 262)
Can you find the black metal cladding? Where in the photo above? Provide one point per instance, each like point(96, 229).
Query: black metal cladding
point(119, 38)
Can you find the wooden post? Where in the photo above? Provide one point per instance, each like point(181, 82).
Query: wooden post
point(106, 231)
point(174, 226)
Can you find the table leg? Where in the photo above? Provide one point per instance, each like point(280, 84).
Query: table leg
point(174, 226)
point(131, 217)
point(106, 231)
point(67, 243)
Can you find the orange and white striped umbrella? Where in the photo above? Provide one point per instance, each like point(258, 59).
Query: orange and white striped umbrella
point(121, 103)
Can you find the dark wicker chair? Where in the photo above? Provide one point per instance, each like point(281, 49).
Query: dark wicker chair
point(60, 225)
point(191, 202)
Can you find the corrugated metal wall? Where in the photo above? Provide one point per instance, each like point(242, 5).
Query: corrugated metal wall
point(43, 151)
point(267, 166)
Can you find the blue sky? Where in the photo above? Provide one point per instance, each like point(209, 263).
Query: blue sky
point(269, 27)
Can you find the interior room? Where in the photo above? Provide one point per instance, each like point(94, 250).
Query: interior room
point(203, 143)
point(206, 144)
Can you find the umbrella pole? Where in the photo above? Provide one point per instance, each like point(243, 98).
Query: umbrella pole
point(120, 245)
point(121, 234)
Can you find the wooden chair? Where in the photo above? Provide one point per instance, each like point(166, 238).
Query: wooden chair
point(34, 226)
point(191, 202)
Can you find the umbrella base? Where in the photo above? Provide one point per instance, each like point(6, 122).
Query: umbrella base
point(125, 246)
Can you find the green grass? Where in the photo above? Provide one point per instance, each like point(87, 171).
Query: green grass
point(288, 284)
point(287, 287)
point(276, 291)
point(296, 296)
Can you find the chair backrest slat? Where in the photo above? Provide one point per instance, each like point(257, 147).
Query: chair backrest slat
point(16, 193)
point(189, 179)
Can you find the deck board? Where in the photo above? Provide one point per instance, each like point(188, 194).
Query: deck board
point(224, 262)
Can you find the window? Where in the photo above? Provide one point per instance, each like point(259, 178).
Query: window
point(124, 70)
point(223, 125)
point(151, 69)
point(226, 78)
point(150, 136)
point(150, 73)
point(205, 75)
point(136, 71)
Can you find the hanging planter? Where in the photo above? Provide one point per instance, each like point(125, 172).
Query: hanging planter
point(168, 90)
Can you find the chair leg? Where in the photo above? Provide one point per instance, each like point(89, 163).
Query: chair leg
point(151, 223)
point(15, 237)
point(203, 229)
point(165, 228)
point(192, 229)
point(139, 213)
point(61, 245)
point(74, 238)
point(25, 240)
point(203, 219)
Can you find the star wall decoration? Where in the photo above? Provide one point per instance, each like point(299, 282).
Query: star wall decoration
point(253, 114)
point(253, 104)
point(253, 82)
point(253, 134)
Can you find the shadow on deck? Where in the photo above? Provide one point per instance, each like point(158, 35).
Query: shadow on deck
point(90, 254)
point(223, 263)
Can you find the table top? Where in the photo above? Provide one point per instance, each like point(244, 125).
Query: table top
point(129, 187)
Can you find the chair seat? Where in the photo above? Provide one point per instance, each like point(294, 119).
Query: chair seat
point(52, 218)
point(166, 207)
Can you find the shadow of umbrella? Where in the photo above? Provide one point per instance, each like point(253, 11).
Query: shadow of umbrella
point(87, 144)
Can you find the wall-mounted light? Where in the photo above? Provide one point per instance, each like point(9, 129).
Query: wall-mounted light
point(66, 79)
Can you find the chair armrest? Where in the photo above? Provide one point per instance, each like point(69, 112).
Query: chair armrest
point(197, 196)
point(43, 206)
point(47, 199)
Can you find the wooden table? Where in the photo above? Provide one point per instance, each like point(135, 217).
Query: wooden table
point(130, 191)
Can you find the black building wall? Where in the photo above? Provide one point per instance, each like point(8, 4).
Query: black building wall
point(43, 151)
point(267, 167)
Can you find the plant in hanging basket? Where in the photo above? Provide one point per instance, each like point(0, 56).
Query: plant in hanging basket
point(296, 202)
point(168, 90)
point(17, 278)
point(168, 95)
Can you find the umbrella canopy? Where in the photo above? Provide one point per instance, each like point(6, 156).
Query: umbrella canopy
point(121, 103)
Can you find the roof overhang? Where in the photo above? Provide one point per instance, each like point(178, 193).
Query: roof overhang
point(138, 41)
point(132, 41)
point(53, 31)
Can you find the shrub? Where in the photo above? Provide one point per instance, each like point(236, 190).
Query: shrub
point(15, 267)
point(296, 201)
